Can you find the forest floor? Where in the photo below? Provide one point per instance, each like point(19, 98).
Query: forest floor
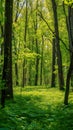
point(37, 108)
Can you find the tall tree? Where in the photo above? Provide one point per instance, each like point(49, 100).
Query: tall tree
point(15, 42)
point(25, 37)
point(36, 42)
point(70, 70)
point(41, 69)
point(7, 90)
point(59, 56)
point(1, 31)
point(53, 63)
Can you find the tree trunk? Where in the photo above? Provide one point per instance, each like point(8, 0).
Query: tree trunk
point(68, 80)
point(59, 56)
point(25, 36)
point(41, 66)
point(16, 73)
point(15, 43)
point(36, 42)
point(37, 70)
point(53, 63)
point(70, 28)
point(1, 48)
point(1, 34)
point(7, 91)
point(70, 71)
point(36, 64)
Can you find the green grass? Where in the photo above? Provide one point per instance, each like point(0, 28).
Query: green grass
point(37, 108)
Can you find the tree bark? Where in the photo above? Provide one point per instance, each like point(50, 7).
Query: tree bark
point(70, 28)
point(1, 48)
point(41, 66)
point(70, 70)
point(16, 72)
point(53, 63)
point(7, 91)
point(36, 42)
point(59, 56)
point(68, 81)
point(25, 36)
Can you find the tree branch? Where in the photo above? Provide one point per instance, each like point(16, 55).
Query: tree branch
point(40, 14)
point(17, 15)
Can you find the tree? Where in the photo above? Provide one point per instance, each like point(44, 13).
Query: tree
point(70, 70)
point(41, 66)
point(1, 33)
point(53, 63)
point(59, 56)
point(15, 42)
point(25, 37)
point(36, 42)
point(7, 90)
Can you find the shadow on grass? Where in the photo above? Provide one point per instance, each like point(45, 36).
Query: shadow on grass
point(63, 117)
point(29, 112)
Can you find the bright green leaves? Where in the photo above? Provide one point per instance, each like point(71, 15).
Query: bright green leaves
point(68, 2)
point(1, 12)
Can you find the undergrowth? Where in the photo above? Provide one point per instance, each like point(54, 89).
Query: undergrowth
point(37, 108)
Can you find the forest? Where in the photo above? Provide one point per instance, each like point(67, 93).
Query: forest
point(36, 65)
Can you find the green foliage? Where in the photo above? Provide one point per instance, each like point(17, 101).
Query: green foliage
point(68, 2)
point(1, 12)
point(37, 108)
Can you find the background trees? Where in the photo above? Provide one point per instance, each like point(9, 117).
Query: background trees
point(37, 42)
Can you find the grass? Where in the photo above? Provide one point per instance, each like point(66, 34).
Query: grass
point(37, 108)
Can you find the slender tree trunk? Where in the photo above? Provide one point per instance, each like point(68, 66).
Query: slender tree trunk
point(36, 41)
point(16, 62)
point(1, 48)
point(36, 64)
point(15, 44)
point(59, 56)
point(25, 36)
point(37, 70)
point(68, 81)
point(70, 71)
point(70, 32)
point(53, 63)
point(16, 72)
point(1, 35)
point(41, 69)
point(7, 68)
